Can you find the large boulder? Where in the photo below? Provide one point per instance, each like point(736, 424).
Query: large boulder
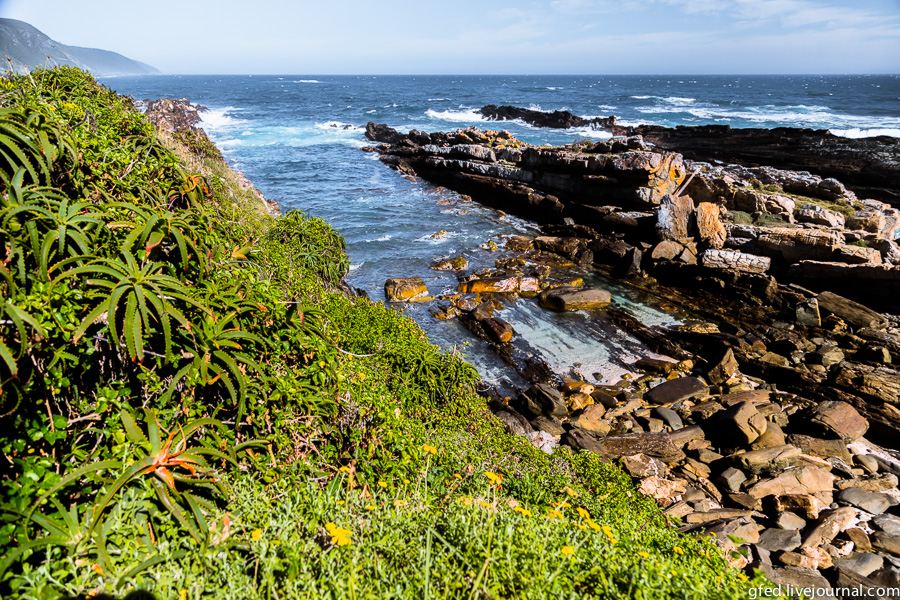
point(710, 230)
point(571, 298)
point(675, 218)
point(403, 289)
point(740, 424)
point(839, 419)
point(677, 390)
point(797, 481)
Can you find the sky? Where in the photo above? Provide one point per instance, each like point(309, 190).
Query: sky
point(481, 36)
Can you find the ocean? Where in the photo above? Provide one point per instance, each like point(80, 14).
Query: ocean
point(298, 138)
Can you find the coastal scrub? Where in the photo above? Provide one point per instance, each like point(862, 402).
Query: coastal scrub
point(191, 406)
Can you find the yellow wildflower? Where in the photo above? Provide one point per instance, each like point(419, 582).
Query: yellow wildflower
point(568, 550)
point(344, 469)
point(522, 511)
point(644, 554)
point(382, 484)
point(581, 527)
point(399, 503)
point(256, 534)
point(339, 535)
point(457, 475)
point(406, 481)
point(582, 513)
point(370, 507)
point(554, 514)
point(677, 550)
point(493, 477)
point(465, 501)
point(593, 525)
point(429, 449)
point(570, 492)
point(340, 502)
point(485, 504)
point(563, 505)
point(182, 594)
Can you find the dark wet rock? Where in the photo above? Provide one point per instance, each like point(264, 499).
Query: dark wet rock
point(543, 399)
point(839, 419)
point(383, 133)
point(559, 119)
point(872, 502)
point(677, 390)
point(497, 330)
point(869, 166)
point(483, 311)
point(601, 397)
point(808, 313)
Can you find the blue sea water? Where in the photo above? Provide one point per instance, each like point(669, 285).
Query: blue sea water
point(298, 138)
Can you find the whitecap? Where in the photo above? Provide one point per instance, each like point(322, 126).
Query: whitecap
point(354, 267)
point(307, 81)
point(864, 133)
point(383, 238)
point(457, 116)
point(338, 125)
point(438, 99)
point(218, 118)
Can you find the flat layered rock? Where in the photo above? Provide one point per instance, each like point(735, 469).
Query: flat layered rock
point(801, 480)
point(656, 445)
point(677, 390)
point(852, 312)
point(732, 260)
point(829, 526)
point(769, 460)
point(570, 298)
point(839, 419)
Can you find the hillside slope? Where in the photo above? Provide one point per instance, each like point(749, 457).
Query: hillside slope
point(27, 46)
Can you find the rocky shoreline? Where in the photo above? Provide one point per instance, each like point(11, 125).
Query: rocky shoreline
point(775, 425)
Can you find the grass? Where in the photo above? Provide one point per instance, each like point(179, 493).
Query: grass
point(376, 471)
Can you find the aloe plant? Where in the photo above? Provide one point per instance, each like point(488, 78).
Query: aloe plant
point(144, 290)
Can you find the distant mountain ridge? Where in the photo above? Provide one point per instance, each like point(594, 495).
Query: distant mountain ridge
point(25, 45)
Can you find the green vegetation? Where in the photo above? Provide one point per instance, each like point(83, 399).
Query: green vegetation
point(190, 406)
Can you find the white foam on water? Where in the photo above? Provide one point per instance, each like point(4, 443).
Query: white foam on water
point(219, 118)
point(307, 81)
point(438, 99)
point(440, 240)
point(606, 107)
point(337, 125)
point(864, 133)
point(354, 267)
point(456, 116)
point(371, 112)
point(383, 238)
